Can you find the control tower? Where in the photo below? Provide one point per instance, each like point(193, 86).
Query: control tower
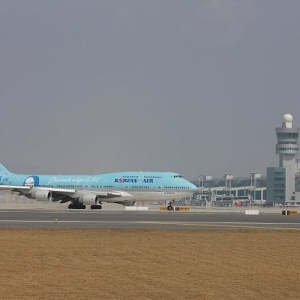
point(287, 148)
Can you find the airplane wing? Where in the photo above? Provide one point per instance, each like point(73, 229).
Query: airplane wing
point(15, 188)
point(64, 193)
point(88, 197)
point(74, 193)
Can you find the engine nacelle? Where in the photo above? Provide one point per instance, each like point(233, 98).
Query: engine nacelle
point(41, 195)
point(88, 199)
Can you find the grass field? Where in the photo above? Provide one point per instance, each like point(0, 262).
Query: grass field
point(149, 264)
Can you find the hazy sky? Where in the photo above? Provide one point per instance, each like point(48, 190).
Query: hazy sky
point(195, 87)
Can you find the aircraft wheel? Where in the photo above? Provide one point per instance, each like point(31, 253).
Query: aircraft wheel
point(170, 207)
point(96, 206)
point(76, 206)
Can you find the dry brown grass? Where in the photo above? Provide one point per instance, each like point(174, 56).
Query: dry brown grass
point(149, 264)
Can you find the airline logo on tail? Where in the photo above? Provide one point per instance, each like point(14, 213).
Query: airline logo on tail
point(3, 178)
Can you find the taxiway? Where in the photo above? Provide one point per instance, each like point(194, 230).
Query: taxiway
point(145, 220)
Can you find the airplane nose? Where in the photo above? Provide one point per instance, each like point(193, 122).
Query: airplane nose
point(190, 186)
point(193, 187)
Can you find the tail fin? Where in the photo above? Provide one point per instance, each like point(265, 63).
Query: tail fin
point(3, 170)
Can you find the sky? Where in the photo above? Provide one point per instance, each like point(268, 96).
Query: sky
point(195, 87)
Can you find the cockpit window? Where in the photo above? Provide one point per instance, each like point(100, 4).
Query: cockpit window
point(177, 176)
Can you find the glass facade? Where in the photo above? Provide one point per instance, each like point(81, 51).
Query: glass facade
point(276, 185)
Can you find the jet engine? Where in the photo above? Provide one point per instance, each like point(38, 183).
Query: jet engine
point(41, 195)
point(88, 199)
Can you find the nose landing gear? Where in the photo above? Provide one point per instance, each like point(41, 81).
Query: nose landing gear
point(170, 206)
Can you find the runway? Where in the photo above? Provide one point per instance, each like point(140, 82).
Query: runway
point(145, 220)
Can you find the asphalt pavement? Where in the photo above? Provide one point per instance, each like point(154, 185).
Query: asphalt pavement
point(155, 219)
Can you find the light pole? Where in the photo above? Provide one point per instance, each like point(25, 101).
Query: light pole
point(253, 177)
point(201, 184)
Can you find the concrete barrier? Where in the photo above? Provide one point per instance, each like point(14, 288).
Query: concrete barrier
point(177, 208)
point(163, 208)
point(131, 208)
point(290, 212)
point(182, 208)
point(251, 212)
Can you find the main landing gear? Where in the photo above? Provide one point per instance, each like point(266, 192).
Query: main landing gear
point(77, 206)
point(98, 206)
point(82, 206)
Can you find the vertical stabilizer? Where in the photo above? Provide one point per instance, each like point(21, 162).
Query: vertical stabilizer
point(3, 170)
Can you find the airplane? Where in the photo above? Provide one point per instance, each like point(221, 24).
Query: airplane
point(124, 188)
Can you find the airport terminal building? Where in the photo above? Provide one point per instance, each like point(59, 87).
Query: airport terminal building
point(281, 186)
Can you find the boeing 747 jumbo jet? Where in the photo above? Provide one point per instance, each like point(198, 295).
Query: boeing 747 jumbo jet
point(123, 188)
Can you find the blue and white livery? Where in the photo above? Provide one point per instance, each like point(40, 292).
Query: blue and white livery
point(123, 187)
